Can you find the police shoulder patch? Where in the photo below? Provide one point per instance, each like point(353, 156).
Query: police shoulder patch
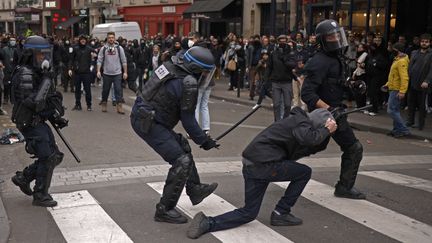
point(161, 72)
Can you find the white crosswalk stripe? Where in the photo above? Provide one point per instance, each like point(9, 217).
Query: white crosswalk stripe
point(378, 218)
point(400, 179)
point(81, 219)
point(215, 205)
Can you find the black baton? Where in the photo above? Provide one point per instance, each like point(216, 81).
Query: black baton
point(65, 142)
point(238, 123)
point(357, 109)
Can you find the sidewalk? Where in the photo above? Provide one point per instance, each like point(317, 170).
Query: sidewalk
point(381, 123)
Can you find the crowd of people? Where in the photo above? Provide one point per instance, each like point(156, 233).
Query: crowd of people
point(265, 65)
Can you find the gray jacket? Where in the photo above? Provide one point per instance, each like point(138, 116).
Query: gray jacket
point(111, 60)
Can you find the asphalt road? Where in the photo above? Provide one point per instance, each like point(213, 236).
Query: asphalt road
point(397, 179)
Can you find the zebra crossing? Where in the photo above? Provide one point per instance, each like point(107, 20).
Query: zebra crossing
point(81, 218)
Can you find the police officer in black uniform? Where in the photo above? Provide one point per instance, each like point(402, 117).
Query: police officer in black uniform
point(323, 88)
point(168, 97)
point(36, 101)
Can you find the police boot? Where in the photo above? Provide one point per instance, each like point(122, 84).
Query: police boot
point(119, 107)
point(198, 192)
point(171, 216)
point(104, 106)
point(200, 225)
point(353, 193)
point(41, 197)
point(278, 219)
point(22, 180)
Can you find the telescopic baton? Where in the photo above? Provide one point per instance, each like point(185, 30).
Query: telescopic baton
point(357, 109)
point(65, 142)
point(238, 123)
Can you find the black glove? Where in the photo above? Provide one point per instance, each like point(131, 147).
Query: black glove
point(337, 112)
point(209, 144)
point(61, 122)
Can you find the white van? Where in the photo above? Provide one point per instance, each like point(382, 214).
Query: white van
point(128, 30)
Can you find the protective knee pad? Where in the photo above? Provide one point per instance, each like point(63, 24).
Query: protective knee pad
point(355, 152)
point(176, 181)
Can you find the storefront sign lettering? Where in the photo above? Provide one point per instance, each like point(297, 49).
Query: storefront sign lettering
point(168, 9)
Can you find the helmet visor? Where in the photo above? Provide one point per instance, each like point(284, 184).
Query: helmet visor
point(43, 56)
point(335, 40)
point(206, 78)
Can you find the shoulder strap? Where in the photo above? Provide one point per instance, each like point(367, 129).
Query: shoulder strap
point(120, 59)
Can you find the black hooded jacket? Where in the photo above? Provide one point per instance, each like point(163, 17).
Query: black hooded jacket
point(288, 139)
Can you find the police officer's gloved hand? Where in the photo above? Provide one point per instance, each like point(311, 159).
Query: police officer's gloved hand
point(337, 112)
point(61, 122)
point(209, 144)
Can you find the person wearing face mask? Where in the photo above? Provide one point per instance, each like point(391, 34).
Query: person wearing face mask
point(66, 53)
point(253, 56)
point(141, 56)
point(279, 72)
point(80, 64)
point(7, 55)
point(272, 157)
point(323, 87)
point(132, 73)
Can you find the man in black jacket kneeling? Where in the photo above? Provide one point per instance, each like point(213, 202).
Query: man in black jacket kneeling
point(271, 157)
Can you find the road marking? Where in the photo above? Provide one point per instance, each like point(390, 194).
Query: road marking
point(80, 218)
point(214, 205)
point(244, 126)
point(378, 218)
point(400, 179)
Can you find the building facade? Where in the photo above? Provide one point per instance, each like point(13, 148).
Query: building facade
point(158, 16)
point(388, 18)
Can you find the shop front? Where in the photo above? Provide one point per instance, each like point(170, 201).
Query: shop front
point(27, 19)
point(165, 19)
point(217, 18)
point(386, 17)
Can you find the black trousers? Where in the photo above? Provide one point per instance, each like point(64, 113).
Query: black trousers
point(417, 101)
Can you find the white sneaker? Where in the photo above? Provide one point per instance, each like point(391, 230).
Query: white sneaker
point(366, 112)
point(372, 114)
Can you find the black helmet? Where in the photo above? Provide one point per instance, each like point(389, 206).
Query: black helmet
point(41, 51)
point(198, 59)
point(330, 35)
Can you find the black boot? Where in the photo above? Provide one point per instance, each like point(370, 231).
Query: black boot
point(42, 199)
point(169, 216)
point(23, 182)
point(201, 191)
point(353, 193)
point(200, 225)
point(277, 219)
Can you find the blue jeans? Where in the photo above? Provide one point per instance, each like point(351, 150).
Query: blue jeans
point(393, 109)
point(257, 179)
point(202, 108)
point(108, 80)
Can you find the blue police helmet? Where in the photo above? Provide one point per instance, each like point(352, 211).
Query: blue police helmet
point(198, 59)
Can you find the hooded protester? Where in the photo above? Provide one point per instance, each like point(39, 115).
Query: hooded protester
point(271, 157)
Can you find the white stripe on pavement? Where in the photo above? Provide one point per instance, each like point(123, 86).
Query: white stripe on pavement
point(378, 218)
point(214, 205)
point(400, 179)
point(80, 218)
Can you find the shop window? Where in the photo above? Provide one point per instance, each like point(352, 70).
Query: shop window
point(159, 27)
point(146, 28)
point(180, 29)
point(281, 18)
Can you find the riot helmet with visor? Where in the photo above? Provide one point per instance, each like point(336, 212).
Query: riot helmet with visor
point(331, 36)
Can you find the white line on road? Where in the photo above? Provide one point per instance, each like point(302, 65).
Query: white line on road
point(80, 218)
point(378, 218)
point(215, 205)
point(244, 126)
point(400, 179)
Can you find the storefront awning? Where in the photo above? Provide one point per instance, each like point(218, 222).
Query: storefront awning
point(206, 6)
point(68, 23)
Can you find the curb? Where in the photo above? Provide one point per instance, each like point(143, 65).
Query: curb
point(354, 124)
point(4, 224)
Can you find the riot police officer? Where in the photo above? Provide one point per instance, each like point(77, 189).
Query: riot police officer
point(323, 88)
point(168, 97)
point(36, 101)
